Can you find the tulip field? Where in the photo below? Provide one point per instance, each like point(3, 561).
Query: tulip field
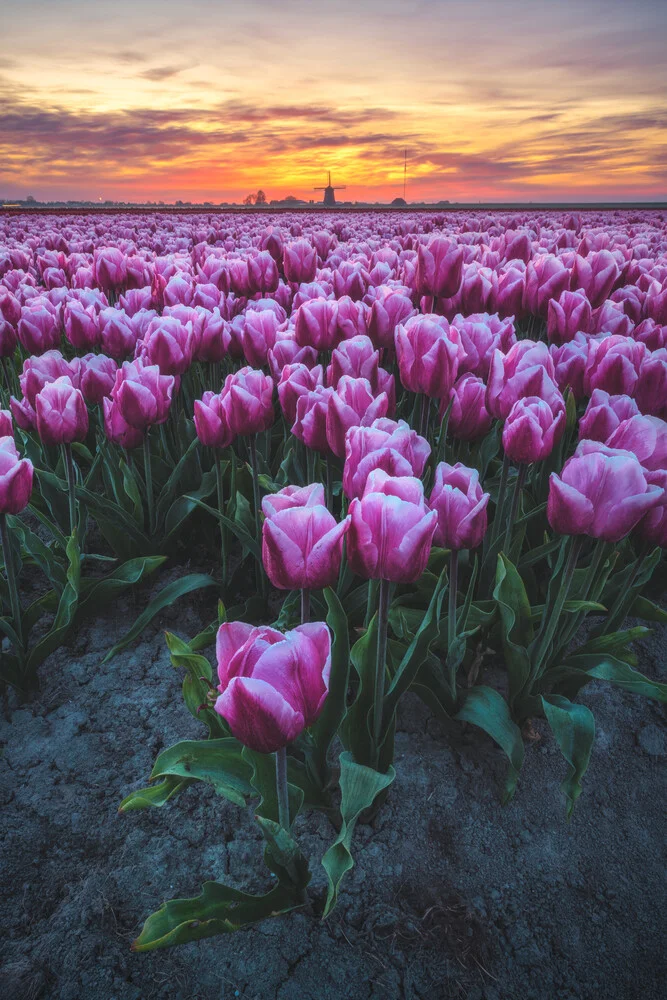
point(360, 483)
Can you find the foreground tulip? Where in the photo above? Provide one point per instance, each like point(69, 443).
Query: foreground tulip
point(293, 496)
point(603, 415)
point(310, 424)
point(6, 424)
point(532, 429)
point(645, 437)
point(82, 325)
point(651, 388)
point(117, 429)
point(295, 381)
point(570, 360)
point(613, 365)
point(469, 419)
point(652, 528)
point(15, 478)
point(143, 394)
point(98, 377)
point(248, 400)
point(526, 370)
point(481, 335)
point(600, 495)
point(62, 416)
point(302, 548)
point(385, 444)
point(211, 421)
point(352, 405)
point(460, 503)
point(272, 686)
point(429, 353)
point(168, 344)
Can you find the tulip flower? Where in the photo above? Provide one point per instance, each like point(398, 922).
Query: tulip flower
point(263, 273)
point(6, 424)
point(117, 429)
point(600, 495)
point(293, 496)
point(429, 353)
point(652, 334)
point(248, 400)
point(118, 335)
point(570, 360)
point(526, 370)
point(596, 275)
point(351, 318)
point(315, 324)
point(310, 424)
point(352, 405)
point(387, 312)
point(603, 415)
point(61, 411)
point(295, 381)
point(481, 334)
point(213, 343)
point(272, 686)
point(82, 325)
point(652, 528)
point(168, 344)
point(645, 437)
point(39, 327)
point(10, 308)
point(23, 413)
point(300, 262)
point(568, 316)
point(385, 444)
point(142, 394)
point(39, 371)
point(8, 338)
point(613, 365)
point(15, 475)
point(510, 293)
point(460, 503)
point(302, 547)
point(651, 388)
point(211, 421)
point(98, 377)
point(533, 428)
point(610, 318)
point(109, 269)
point(546, 278)
point(260, 333)
point(439, 268)
point(469, 419)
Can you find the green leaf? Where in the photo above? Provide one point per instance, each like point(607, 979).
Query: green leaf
point(236, 527)
point(487, 709)
point(196, 689)
point(359, 786)
point(181, 508)
point(610, 668)
point(154, 795)
point(335, 706)
point(217, 762)
point(218, 910)
point(262, 767)
point(283, 856)
point(44, 557)
point(650, 612)
point(124, 576)
point(166, 597)
point(67, 606)
point(516, 623)
point(574, 728)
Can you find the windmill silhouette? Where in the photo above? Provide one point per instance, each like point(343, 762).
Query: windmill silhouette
point(329, 196)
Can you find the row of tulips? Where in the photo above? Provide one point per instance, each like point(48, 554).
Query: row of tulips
point(408, 425)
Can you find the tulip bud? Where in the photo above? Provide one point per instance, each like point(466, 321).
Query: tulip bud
point(62, 416)
point(142, 394)
point(295, 381)
point(385, 444)
point(533, 428)
point(302, 547)
point(310, 425)
point(39, 327)
point(526, 370)
point(98, 377)
point(613, 365)
point(644, 437)
point(15, 478)
point(469, 419)
point(603, 415)
point(429, 353)
point(211, 421)
point(300, 262)
point(352, 405)
point(439, 268)
point(460, 503)
point(109, 269)
point(315, 324)
point(248, 401)
point(568, 316)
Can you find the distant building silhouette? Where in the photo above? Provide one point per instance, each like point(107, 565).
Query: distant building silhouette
point(329, 195)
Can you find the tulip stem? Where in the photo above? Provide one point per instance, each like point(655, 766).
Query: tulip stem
point(451, 618)
point(148, 472)
point(221, 507)
point(329, 484)
point(626, 596)
point(305, 605)
point(424, 415)
point(514, 506)
point(11, 577)
point(500, 505)
point(71, 486)
point(552, 615)
point(261, 579)
point(380, 667)
point(282, 790)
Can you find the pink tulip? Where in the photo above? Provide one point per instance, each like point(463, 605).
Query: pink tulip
point(39, 327)
point(315, 324)
point(179, 290)
point(387, 445)
point(546, 279)
point(469, 419)
point(142, 394)
point(652, 334)
point(82, 325)
point(645, 437)
point(15, 478)
point(350, 279)
point(248, 401)
point(570, 360)
point(429, 353)
point(613, 365)
point(263, 273)
point(260, 333)
point(596, 275)
point(656, 303)
point(118, 336)
point(351, 318)
point(117, 429)
point(352, 405)
point(510, 293)
point(387, 312)
point(653, 526)
point(6, 424)
point(603, 415)
point(23, 413)
point(481, 334)
point(302, 547)
point(286, 351)
point(98, 377)
point(526, 370)
point(478, 291)
point(10, 307)
point(568, 316)
point(601, 495)
point(211, 421)
point(109, 269)
point(300, 262)
point(213, 343)
point(310, 424)
point(293, 496)
point(439, 268)
point(460, 505)
point(272, 686)
point(62, 416)
point(357, 358)
point(39, 371)
point(295, 381)
point(8, 338)
point(533, 428)
point(168, 344)
point(651, 388)
point(389, 538)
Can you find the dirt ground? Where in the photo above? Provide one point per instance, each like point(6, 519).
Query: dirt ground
point(452, 894)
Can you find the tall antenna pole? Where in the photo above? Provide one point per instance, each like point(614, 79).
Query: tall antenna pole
point(405, 172)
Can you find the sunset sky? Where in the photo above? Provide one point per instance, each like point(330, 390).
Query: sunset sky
point(210, 99)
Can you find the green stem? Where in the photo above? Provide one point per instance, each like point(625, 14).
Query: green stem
point(221, 508)
point(305, 606)
point(623, 602)
point(329, 484)
point(591, 577)
point(500, 505)
point(451, 616)
point(14, 600)
point(380, 667)
point(282, 789)
point(552, 616)
point(261, 579)
point(71, 486)
point(148, 472)
point(514, 506)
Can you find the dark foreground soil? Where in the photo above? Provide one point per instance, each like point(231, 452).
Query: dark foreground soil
point(452, 894)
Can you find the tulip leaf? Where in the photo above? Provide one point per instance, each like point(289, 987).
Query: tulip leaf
point(155, 795)
point(126, 575)
point(196, 684)
point(610, 668)
point(67, 606)
point(262, 770)
point(217, 762)
point(574, 728)
point(218, 910)
point(166, 597)
point(648, 610)
point(122, 532)
point(132, 492)
point(236, 527)
point(335, 705)
point(43, 556)
point(487, 709)
point(355, 731)
point(283, 856)
point(516, 623)
point(417, 651)
point(170, 488)
point(359, 786)
point(613, 642)
point(183, 506)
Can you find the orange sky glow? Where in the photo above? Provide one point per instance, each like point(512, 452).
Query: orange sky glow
point(494, 100)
